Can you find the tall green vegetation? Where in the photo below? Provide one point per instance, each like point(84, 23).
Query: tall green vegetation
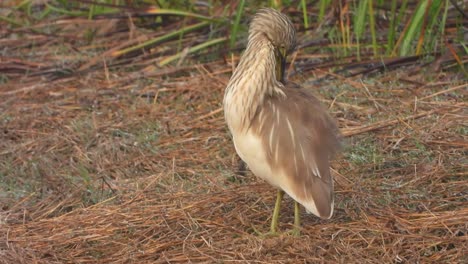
point(365, 28)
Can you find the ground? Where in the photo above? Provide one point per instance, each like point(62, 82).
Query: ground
point(122, 164)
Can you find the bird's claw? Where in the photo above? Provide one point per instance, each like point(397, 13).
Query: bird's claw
point(295, 232)
point(271, 233)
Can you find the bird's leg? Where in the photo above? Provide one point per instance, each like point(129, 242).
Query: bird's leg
point(297, 219)
point(296, 231)
point(275, 217)
point(276, 211)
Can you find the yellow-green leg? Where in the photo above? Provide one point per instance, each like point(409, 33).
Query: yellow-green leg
point(275, 218)
point(297, 219)
point(276, 211)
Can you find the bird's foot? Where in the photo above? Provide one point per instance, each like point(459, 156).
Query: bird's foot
point(296, 231)
point(271, 233)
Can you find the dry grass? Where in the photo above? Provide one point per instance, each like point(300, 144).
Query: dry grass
point(120, 161)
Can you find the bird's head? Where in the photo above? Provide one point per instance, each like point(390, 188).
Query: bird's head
point(279, 30)
point(276, 26)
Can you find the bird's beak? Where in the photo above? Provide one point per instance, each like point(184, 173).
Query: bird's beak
point(280, 64)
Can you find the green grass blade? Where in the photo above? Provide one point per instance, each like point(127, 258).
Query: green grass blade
point(441, 29)
point(372, 27)
point(24, 3)
point(323, 6)
point(344, 28)
point(158, 11)
point(360, 23)
point(11, 21)
point(91, 12)
point(235, 26)
point(413, 28)
point(304, 13)
point(66, 12)
point(434, 11)
point(433, 19)
point(161, 38)
point(464, 47)
point(192, 50)
point(44, 13)
point(401, 14)
point(360, 18)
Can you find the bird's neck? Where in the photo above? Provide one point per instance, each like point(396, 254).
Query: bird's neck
point(253, 80)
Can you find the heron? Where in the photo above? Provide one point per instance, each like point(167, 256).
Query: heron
point(279, 129)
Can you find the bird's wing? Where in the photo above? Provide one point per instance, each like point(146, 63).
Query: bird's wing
point(299, 138)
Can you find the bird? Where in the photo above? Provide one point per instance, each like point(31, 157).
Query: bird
point(279, 129)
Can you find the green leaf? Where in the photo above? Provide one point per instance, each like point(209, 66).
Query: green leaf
point(414, 27)
point(235, 26)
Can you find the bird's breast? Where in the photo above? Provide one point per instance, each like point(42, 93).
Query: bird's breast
point(252, 151)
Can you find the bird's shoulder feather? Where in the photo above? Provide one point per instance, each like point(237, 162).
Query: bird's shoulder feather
point(299, 138)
